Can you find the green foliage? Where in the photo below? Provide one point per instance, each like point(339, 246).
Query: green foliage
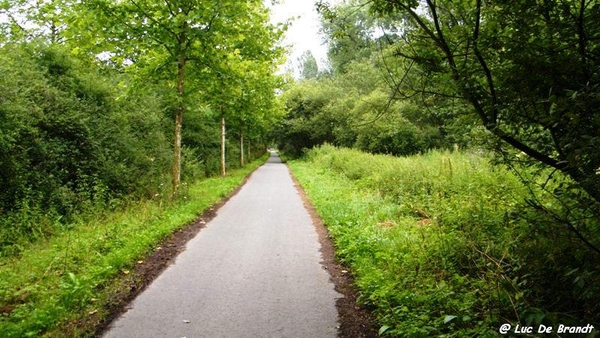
point(308, 66)
point(84, 118)
point(70, 139)
point(306, 124)
point(351, 31)
point(528, 69)
point(52, 286)
point(361, 103)
point(352, 110)
point(26, 20)
point(201, 50)
point(443, 244)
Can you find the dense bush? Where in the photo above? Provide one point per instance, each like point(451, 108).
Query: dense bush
point(69, 137)
point(76, 135)
point(395, 136)
point(445, 243)
point(337, 111)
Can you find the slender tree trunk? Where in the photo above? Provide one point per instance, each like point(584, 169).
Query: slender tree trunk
point(178, 124)
point(53, 32)
point(223, 169)
point(249, 151)
point(241, 146)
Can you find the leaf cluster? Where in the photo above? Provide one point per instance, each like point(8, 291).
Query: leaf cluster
point(68, 138)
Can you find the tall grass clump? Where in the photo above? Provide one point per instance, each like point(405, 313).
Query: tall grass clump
point(441, 243)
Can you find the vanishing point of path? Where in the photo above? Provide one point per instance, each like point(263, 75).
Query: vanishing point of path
point(254, 271)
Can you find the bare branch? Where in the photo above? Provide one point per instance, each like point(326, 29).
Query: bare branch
point(486, 69)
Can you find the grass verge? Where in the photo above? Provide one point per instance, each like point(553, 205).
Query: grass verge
point(55, 284)
point(439, 245)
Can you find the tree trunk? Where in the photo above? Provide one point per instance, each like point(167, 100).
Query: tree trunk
point(223, 169)
point(241, 146)
point(248, 155)
point(178, 124)
point(53, 32)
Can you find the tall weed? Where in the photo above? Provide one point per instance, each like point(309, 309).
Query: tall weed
point(440, 245)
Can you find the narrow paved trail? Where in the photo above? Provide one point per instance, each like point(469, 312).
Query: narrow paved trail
point(254, 271)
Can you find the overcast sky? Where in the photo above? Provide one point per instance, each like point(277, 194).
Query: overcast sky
point(303, 34)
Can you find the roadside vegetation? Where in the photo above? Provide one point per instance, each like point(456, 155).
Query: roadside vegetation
point(455, 149)
point(115, 119)
point(87, 120)
point(55, 285)
point(452, 149)
point(444, 243)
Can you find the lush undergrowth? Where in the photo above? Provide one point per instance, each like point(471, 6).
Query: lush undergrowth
point(78, 135)
point(439, 244)
point(63, 279)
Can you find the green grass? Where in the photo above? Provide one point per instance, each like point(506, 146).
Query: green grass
point(436, 242)
point(61, 280)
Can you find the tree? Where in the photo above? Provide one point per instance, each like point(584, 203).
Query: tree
point(43, 19)
point(351, 33)
point(256, 110)
point(309, 67)
point(187, 33)
point(245, 97)
point(528, 69)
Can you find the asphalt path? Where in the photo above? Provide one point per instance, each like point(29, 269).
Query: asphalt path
point(254, 271)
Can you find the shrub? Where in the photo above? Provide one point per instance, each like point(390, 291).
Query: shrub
point(69, 139)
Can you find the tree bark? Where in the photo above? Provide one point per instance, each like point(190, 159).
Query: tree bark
point(249, 154)
point(223, 169)
point(178, 123)
point(241, 146)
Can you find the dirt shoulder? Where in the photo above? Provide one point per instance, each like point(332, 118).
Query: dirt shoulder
point(148, 269)
point(355, 321)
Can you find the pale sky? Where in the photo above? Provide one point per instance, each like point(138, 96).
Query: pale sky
point(303, 34)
